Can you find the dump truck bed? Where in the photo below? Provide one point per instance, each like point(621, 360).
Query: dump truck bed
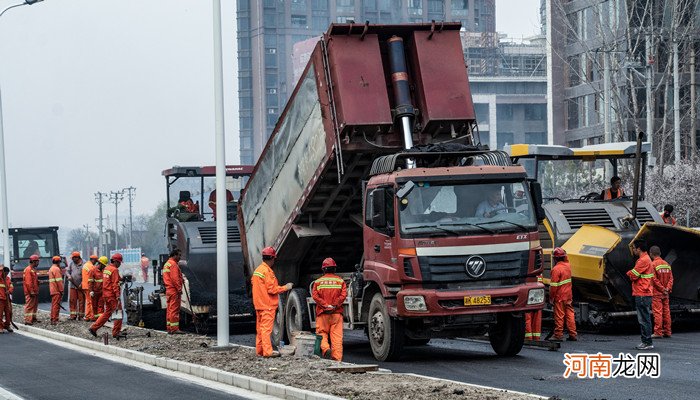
point(304, 196)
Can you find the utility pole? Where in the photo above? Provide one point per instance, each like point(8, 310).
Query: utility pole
point(606, 97)
point(86, 244)
point(100, 198)
point(116, 198)
point(693, 105)
point(131, 193)
point(650, 98)
point(676, 105)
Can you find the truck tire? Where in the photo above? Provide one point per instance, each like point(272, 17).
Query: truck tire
point(296, 312)
point(508, 335)
point(386, 334)
point(278, 329)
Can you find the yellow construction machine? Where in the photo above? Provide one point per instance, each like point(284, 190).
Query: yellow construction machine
point(597, 233)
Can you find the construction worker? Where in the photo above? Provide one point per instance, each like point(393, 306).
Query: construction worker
point(95, 287)
point(145, 263)
point(74, 275)
point(641, 276)
point(6, 290)
point(111, 292)
point(85, 271)
point(212, 200)
point(666, 215)
point(30, 284)
point(329, 292)
point(561, 296)
point(662, 283)
point(172, 279)
point(266, 292)
point(615, 191)
point(492, 205)
point(55, 288)
point(533, 321)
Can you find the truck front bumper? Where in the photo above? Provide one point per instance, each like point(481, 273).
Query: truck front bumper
point(440, 303)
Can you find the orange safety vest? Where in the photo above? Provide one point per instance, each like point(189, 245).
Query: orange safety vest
point(110, 286)
point(641, 276)
point(329, 290)
point(608, 194)
point(55, 280)
point(30, 281)
point(266, 289)
point(172, 277)
point(5, 287)
point(87, 267)
point(560, 282)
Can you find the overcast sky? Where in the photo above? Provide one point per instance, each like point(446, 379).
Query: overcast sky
point(99, 95)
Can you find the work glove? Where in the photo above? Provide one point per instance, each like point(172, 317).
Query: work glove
point(289, 286)
point(92, 294)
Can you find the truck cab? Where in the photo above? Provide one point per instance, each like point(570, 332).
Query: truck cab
point(41, 241)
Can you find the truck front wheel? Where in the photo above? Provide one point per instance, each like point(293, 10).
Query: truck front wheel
point(508, 335)
point(386, 334)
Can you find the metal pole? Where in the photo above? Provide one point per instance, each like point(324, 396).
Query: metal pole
point(650, 98)
point(116, 197)
point(98, 198)
point(693, 105)
point(131, 191)
point(676, 105)
point(222, 331)
point(606, 98)
point(3, 189)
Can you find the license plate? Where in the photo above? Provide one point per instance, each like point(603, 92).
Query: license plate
point(477, 300)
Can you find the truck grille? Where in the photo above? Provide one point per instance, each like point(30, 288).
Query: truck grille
point(643, 215)
point(499, 267)
point(591, 216)
point(208, 234)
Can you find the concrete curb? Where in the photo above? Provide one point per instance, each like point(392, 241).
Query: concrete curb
point(533, 395)
point(212, 374)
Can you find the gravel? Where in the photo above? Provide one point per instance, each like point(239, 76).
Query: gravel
point(304, 373)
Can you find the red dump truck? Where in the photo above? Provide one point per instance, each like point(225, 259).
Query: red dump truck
point(375, 162)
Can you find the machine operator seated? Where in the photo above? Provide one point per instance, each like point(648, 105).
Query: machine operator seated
point(212, 201)
point(615, 191)
point(492, 206)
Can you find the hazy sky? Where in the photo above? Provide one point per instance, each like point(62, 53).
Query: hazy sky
point(99, 95)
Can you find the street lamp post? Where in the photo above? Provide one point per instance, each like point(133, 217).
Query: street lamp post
point(3, 174)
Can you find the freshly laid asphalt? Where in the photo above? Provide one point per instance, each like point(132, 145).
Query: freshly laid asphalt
point(34, 369)
point(540, 371)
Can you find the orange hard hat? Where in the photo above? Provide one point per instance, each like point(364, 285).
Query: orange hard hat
point(269, 252)
point(559, 252)
point(328, 262)
point(93, 256)
point(56, 259)
point(75, 254)
point(117, 257)
point(34, 257)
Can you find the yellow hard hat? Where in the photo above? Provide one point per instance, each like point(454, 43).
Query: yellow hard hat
point(103, 260)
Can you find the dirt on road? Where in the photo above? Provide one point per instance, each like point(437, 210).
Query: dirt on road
point(301, 372)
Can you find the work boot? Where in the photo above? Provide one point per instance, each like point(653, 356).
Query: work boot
point(644, 346)
point(327, 354)
point(572, 339)
point(655, 336)
point(178, 332)
point(667, 336)
point(93, 332)
point(9, 329)
point(274, 354)
point(557, 339)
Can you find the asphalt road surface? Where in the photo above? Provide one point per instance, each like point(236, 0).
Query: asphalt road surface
point(34, 369)
point(540, 371)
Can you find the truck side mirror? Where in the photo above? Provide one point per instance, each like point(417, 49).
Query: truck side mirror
point(378, 201)
point(536, 193)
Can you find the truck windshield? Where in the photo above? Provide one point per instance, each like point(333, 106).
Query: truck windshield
point(40, 244)
point(439, 209)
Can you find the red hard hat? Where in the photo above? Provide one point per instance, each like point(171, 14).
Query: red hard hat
point(117, 257)
point(56, 259)
point(269, 252)
point(559, 252)
point(75, 254)
point(34, 257)
point(328, 262)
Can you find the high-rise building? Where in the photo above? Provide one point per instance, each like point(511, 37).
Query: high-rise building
point(269, 29)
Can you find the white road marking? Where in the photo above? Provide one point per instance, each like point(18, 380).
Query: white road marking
point(7, 395)
point(166, 372)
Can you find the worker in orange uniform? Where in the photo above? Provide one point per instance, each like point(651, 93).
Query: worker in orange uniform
point(533, 321)
point(55, 288)
point(615, 191)
point(641, 276)
point(110, 291)
point(212, 200)
point(96, 285)
point(561, 296)
point(172, 279)
point(329, 292)
point(145, 263)
point(266, 292)
point(6, 290)
point(85, 287)
point(667, 215)
point(30, 284)
point(76, 296)
point(662, 283)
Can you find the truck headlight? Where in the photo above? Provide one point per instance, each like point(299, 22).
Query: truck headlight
point(415, 303)
point(535, 296)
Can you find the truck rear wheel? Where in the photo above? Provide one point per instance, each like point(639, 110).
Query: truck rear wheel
point(278, 331)
point(386, 334)
point(296, 312)
point(508, 335)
